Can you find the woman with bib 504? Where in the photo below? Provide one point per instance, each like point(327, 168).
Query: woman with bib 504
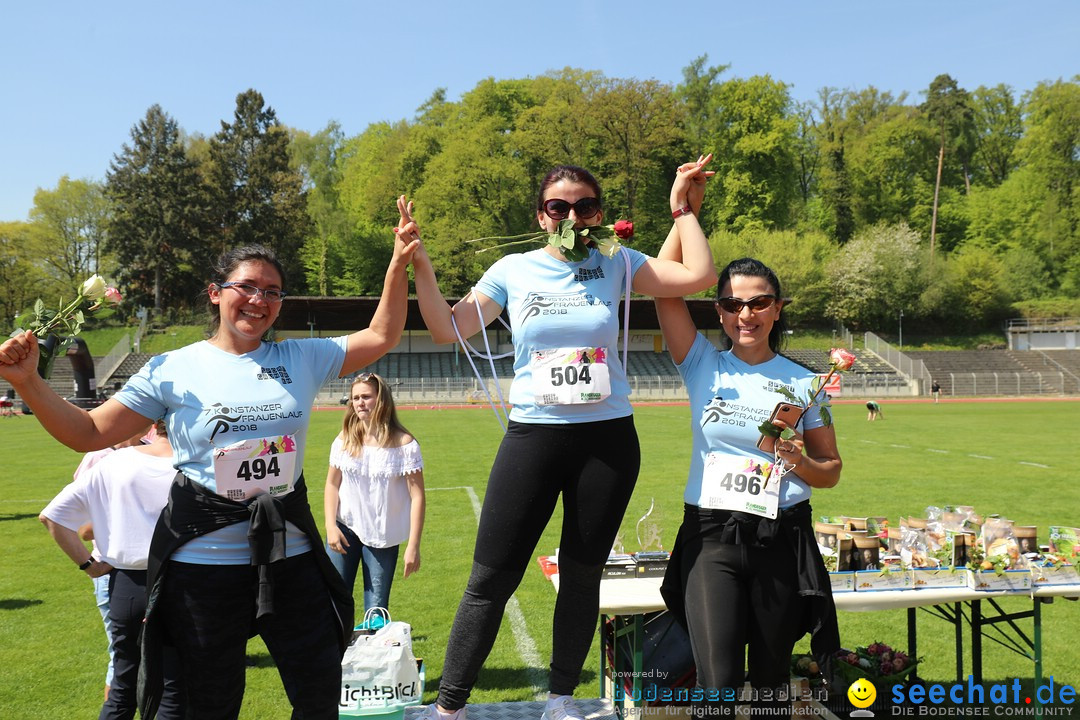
point(571, 430)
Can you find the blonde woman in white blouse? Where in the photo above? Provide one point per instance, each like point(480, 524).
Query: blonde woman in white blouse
point(374, 492)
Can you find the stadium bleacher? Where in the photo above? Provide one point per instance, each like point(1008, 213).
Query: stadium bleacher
point(960, 372)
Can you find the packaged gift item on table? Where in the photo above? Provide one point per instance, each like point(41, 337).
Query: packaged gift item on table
point(913, 547)
point(878, 527)
point(1049, 570)
point(944, 568)
point(1027, 540)
point(960, 518)
point(1065, 542)
point(997, 579)
point(962, 544)
point(889, 577)
point(854, 523)
point(935, 529)
point(841, 576)
point(945, 576)
point(894, 537)
point(1060, 563)
point(866, 553)
point(875, 571)
point(999, 543)
point(827, 536)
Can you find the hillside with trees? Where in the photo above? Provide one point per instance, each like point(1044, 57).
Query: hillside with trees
point(960, 208)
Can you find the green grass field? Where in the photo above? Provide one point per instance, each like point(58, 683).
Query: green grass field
point(998, 456)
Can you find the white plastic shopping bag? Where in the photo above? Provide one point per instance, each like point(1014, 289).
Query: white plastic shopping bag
point(379, 671)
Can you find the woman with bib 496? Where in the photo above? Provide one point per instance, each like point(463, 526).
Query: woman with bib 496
point(745, 573)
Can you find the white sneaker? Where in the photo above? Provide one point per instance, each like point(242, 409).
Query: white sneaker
point(562, 707)
point(432, 712)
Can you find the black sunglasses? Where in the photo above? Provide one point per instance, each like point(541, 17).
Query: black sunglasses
point(557, 209)
point(735, 305)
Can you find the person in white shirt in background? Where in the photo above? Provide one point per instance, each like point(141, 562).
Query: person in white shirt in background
point(86, 533)
point(374, 493)
point(121, 497)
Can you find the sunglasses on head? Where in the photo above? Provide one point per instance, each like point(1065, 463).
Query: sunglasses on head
point(735, 305)
point(584, 208)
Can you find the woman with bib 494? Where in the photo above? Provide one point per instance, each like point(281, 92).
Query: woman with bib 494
point(236, 551)
point(571, 430)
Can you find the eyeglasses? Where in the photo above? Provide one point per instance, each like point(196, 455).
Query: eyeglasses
point(735, 305)
point(557, 209)
point(250, 291)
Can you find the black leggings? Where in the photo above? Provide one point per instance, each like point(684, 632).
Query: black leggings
point(739, 596)
point(594, 466)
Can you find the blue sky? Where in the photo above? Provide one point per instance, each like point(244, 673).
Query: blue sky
point(75, 76)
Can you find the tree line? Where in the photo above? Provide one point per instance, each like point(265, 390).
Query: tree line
point(960, 210)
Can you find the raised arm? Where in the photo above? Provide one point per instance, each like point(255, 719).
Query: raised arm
point(436, 312)
point(384, 332)
point(79, 429)
point(675, 321)
point(694, 271)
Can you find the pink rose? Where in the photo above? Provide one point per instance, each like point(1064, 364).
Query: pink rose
point(113, 295)
point(841, 359)
point(898, 664)
point(624, 229)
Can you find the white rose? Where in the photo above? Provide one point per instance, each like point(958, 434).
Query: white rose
point(93, 288)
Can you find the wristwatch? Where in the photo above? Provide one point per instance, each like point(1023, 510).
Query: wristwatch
point(87, 564)
point(684, 210)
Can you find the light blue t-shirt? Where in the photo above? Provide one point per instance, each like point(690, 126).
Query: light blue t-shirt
point(730, 399)
point(555, 304)
point(211, 399)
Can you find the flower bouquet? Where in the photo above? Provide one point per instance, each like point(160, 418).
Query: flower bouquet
point(93, 295)
point(877, 662)
point(574, 243)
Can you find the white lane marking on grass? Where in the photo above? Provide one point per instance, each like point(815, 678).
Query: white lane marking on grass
point(535, 668)
point(981, 457)
point(1034, 464)
point(898, 446)
point(869, 442)
point(935, 450)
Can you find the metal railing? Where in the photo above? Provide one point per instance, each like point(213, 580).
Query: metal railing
point(643, 388)
point(913, 369)
point(136, 344)
point(1043, 324)
point(1073, 382)
point(1003, 383)
point(106, 366)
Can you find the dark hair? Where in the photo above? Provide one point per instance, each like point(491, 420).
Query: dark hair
point(573, 173)
point(749, 267)
point(226, 265)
